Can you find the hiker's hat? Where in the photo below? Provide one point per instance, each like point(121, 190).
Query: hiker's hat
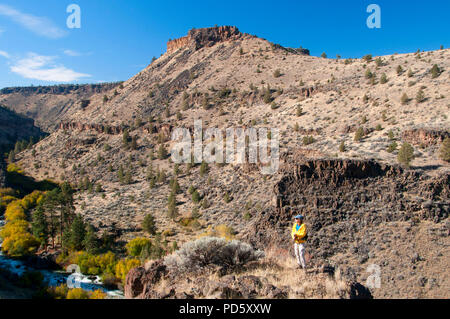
point(299, 217)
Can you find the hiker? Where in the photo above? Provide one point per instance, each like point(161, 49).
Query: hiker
point(299, 236)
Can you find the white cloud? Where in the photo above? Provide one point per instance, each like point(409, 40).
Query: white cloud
point(4, 54)
point(39, 25)
point(72, 53)
point(44, 68)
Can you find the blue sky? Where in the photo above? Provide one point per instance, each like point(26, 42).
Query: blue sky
point(118, 38)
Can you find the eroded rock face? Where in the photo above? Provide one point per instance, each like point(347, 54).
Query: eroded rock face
point(205, 37)
point(140, 284)
point(139, 281)
point(425, 137)
point(340, 197)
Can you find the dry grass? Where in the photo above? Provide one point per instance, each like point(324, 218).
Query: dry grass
point(279, 269)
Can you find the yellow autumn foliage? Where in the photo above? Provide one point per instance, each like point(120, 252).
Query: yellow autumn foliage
point(14, 168)
point(20, 244)
point(124, 266)
point(17, 241)
point(135, 246)
point(14, 227)
point(77, 293)
point(98, 294)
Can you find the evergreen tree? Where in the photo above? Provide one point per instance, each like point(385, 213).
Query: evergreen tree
point(128, 177)
point(420, 97)
point(76, 234)
point(203, 168)
point(148, 224)
point(444, 151)
point(405, 154)
point(90, 241)
point(172, 210)
point(435, 71)
point(39, 226)
point(134, 142)
point(120, 174)
point(125, 138)
point(162, 152)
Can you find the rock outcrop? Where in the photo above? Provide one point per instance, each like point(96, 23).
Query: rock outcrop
point(140, 281)
point(339, 197)
point(204, 37)
point(425, 137)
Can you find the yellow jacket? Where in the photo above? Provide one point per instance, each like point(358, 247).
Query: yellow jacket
point(301, 232)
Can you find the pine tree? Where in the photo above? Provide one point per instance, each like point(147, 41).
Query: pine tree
point(76, 234)
point(39, 226)
point(90, 241)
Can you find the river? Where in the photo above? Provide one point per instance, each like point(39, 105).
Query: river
point(56, 277)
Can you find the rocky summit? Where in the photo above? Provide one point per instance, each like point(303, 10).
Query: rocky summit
point(362, 146)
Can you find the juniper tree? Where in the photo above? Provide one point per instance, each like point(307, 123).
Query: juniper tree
point(404, 99)
point(435, 71)
point(148, 224)
point(444, 151)
point(420, 97)
point(203, 168)
point(162, 152)
point(405, 154)
point(359, 134)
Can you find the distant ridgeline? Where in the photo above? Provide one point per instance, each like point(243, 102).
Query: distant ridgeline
point(62, 88)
